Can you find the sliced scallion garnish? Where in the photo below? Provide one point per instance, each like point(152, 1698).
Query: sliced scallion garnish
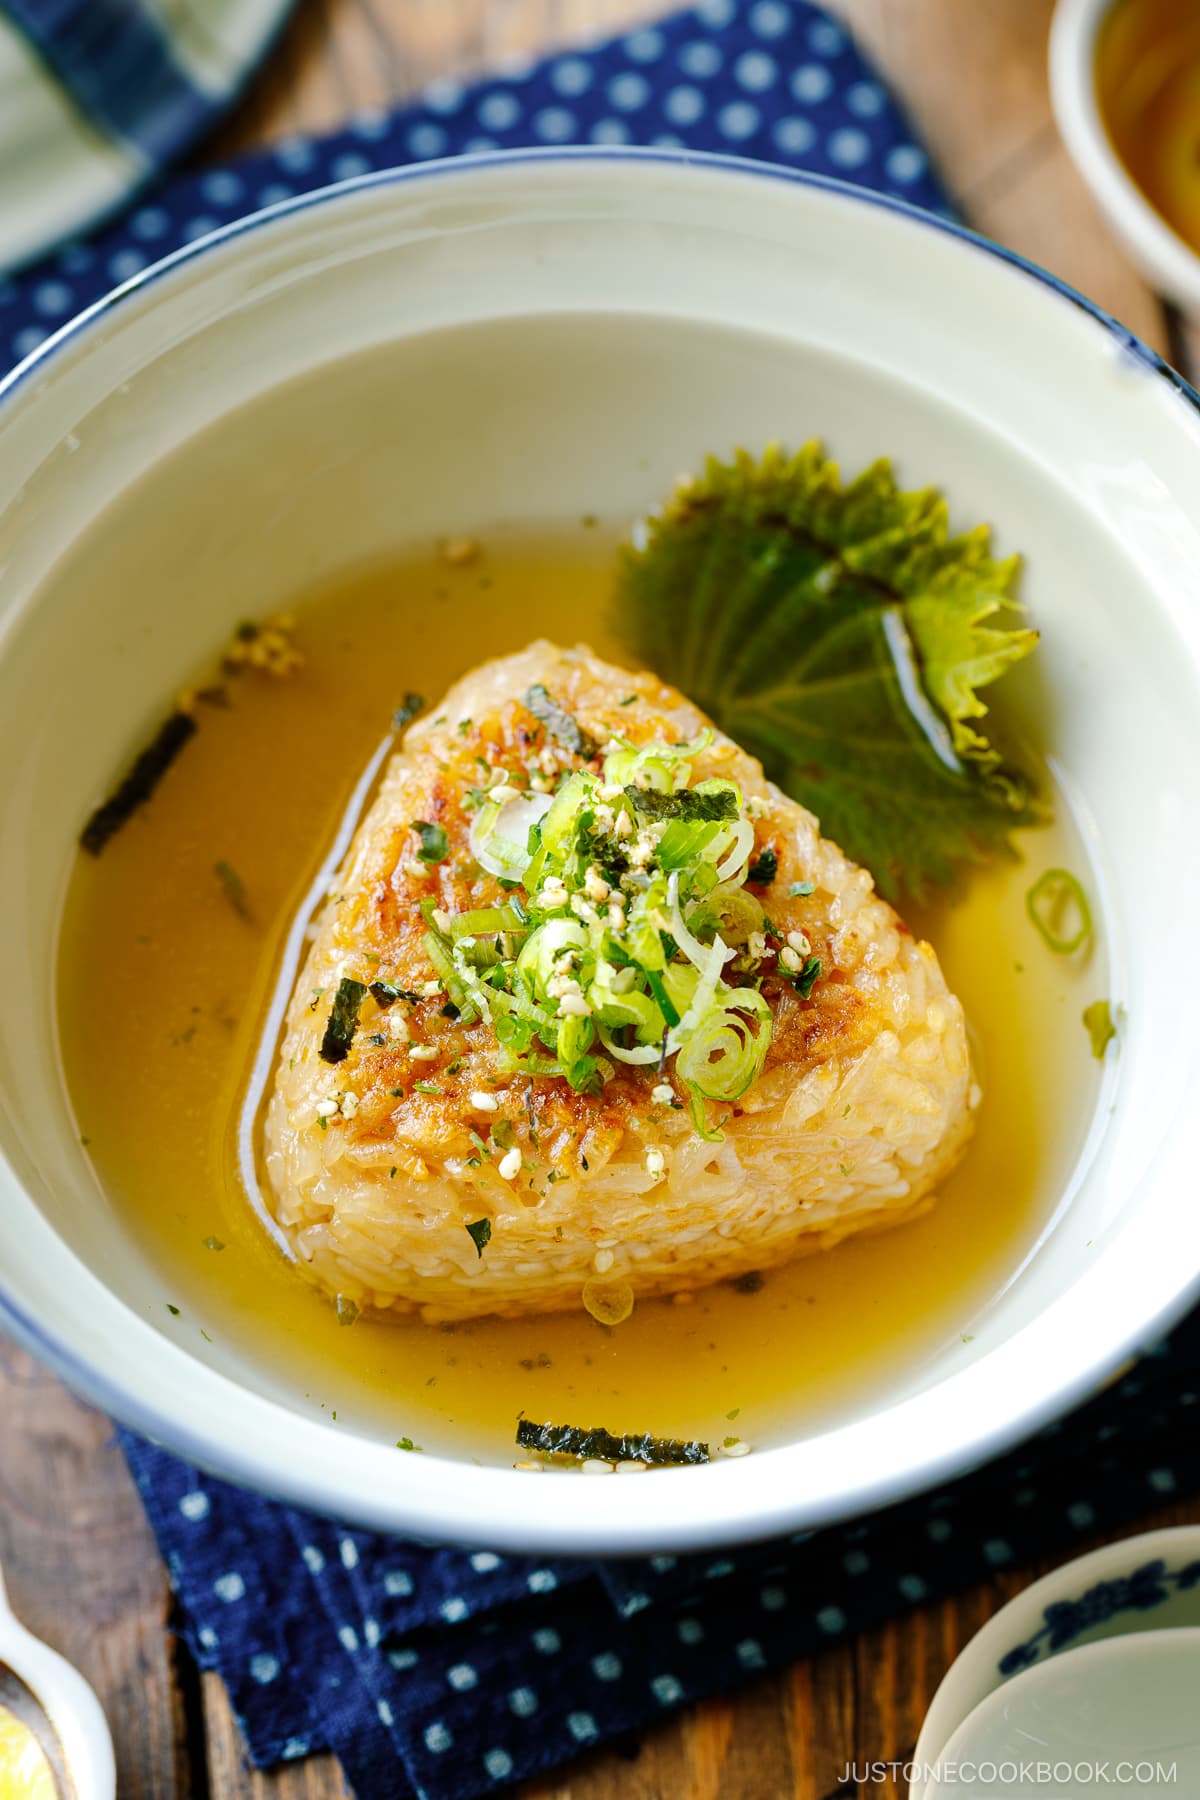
point(1058, 908)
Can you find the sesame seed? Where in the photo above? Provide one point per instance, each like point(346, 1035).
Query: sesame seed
point(504, 792)
point(442, 920)
point(663, 1094)
point(460, 550)
point(756, 944)
point(326, 1108)
point(397, 1024)
point(798, 941)
point(422, 1052)
point(594, 884)
point(788, 959)
point(575, 1006)
point(530, 1468)
point(733, 1447)
point(656, 1162)
point(595, 1465)
point(603, 1261)
point(431, 989)
point(623, 824)
point(484, 1102)
point(631, 1468)
point(509, 1166)
point(349, 1105)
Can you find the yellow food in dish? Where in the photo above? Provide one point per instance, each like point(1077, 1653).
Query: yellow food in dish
point(25, 1773)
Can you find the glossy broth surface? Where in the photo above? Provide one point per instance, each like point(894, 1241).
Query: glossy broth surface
point(164, 985)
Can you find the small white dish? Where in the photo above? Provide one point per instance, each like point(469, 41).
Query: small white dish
point(1169, 264)
point(68, 1703)
point(1120, 1713)
point(1138, 1586)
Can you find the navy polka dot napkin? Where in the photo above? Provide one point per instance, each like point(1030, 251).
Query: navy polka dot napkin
point(449, 1673)
point(775, 79)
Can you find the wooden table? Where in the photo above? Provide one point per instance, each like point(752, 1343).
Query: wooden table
point(78, 1555)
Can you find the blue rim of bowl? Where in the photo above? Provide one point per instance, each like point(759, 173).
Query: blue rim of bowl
point(174, 1433)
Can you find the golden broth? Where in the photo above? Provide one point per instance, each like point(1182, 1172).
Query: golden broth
point(1148, 87)
point(163, 989)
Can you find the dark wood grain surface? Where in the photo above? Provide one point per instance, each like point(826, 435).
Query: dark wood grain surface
point(78, 1555)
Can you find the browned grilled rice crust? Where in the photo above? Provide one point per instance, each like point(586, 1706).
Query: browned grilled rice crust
point(863, 1105)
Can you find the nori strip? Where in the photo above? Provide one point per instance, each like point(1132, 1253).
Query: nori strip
point(764, 868)
point(407, 711)
point(480, 1234)
point(343, 1020)
point(559, 724)
point(384, 994)
point(687, 804)
point(581, 1441)
point(139, 784)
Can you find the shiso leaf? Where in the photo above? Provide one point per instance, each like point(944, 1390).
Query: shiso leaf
point(343, 1020)
point(579, 1442)
point(839, 633)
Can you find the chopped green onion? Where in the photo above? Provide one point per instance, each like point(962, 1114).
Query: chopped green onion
point(1100, 1025)
point(235, 890)
point(1058, 908)
point(435, 845)
point(808, 977)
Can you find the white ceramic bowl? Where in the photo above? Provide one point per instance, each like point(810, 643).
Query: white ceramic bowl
point(564, 332)
point(1122, 1713)
point(1169, 265)
point(1139, 1585)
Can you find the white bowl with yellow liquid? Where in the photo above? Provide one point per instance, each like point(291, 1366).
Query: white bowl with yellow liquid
point(1137, 60)
point(315, 396)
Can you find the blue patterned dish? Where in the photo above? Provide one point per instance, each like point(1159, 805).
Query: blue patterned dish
point(97, 96)
point(1145, 1583)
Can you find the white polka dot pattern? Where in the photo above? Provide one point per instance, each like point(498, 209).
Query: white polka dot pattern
point(765, 78)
